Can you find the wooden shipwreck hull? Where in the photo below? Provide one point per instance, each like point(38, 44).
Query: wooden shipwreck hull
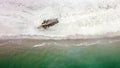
point(48, 23)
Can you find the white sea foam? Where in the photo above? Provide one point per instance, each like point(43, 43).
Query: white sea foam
point(76, 17)
point(38, 45)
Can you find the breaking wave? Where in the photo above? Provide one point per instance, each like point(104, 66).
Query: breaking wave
point(77, 18)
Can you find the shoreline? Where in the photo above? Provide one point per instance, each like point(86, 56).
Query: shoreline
point(69, 37)
point(67, 42)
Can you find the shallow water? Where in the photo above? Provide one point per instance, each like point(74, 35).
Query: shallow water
point(24, 55)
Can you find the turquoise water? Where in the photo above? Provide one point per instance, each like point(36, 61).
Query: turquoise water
point(52, 56)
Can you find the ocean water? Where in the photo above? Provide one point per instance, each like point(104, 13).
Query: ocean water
point(23, 54)
point(77, 18)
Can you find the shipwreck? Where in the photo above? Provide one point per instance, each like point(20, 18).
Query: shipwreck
point(48, 23)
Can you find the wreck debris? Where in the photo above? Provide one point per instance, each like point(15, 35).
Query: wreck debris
point(48, 23)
